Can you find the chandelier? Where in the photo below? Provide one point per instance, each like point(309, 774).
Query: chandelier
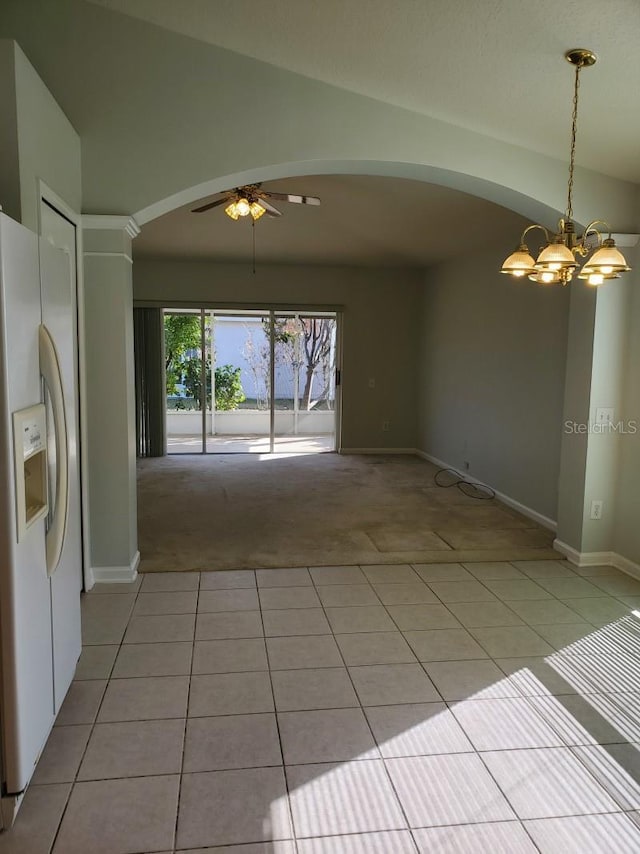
point(559, 259)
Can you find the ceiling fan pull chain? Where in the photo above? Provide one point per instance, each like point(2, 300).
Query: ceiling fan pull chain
point(253, 233)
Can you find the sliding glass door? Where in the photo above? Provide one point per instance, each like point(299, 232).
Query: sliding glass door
point(269, 381)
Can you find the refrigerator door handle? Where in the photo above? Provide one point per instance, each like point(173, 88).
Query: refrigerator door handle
point(50, 370)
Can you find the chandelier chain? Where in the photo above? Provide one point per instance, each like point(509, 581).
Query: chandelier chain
point(574, 129)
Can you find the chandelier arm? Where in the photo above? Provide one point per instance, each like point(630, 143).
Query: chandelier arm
point(591, 229)
point(530, 228)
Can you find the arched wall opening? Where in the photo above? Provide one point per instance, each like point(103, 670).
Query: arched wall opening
point(537, 210)
point(496, 317)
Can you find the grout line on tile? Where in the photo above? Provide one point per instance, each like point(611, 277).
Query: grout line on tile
point(373, 737)
point(186, 719)
point(93, 724)
point(277, 721)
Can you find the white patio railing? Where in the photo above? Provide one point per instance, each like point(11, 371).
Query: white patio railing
point(251, 422)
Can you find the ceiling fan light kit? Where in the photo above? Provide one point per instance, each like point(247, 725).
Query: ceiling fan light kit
point(242, 207)
point(558, 261)
point(252, 200)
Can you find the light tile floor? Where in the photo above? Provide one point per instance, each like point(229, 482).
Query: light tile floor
point(491, 707)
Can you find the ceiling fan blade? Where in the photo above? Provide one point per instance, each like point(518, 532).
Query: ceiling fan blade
point(289, 197)
point(210, 205)
point(269, 209)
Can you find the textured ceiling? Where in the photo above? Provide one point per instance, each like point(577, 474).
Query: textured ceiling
point(363, 220)
point(494, 66)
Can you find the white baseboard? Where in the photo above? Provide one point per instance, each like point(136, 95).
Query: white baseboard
point(550, 524)
point(625, 565)
point(347, 451)
point(613, 559)
point(571, 554)
point(117, 574)
point(598, 559)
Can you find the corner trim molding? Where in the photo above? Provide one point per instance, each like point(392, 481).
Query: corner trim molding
point(117, 574)
point(598, 559)
point(626, 240)
point(124, 255)
point(550, 524)
point(98, 222)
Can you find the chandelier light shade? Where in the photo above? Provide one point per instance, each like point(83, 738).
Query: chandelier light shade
point(519, 263)
point(556, 258)
point(564, 251)
point(607, 261)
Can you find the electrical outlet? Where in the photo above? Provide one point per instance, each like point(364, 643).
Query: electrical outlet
point(465, 465)
point(372, 382)
point(596, 509)
point(386, 426)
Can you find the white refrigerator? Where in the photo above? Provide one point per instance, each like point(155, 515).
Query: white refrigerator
point(40, 525)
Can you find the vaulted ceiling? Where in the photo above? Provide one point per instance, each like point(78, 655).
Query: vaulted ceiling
point(494, 66)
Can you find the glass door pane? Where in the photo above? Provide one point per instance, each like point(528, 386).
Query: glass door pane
point(305, 363)
point(286, 370)
point(317, 386)
point(241, 355)
point(183, 371)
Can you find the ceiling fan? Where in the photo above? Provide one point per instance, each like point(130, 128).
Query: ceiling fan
point(250, 199)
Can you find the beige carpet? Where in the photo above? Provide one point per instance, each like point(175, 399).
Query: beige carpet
point(237, 511)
